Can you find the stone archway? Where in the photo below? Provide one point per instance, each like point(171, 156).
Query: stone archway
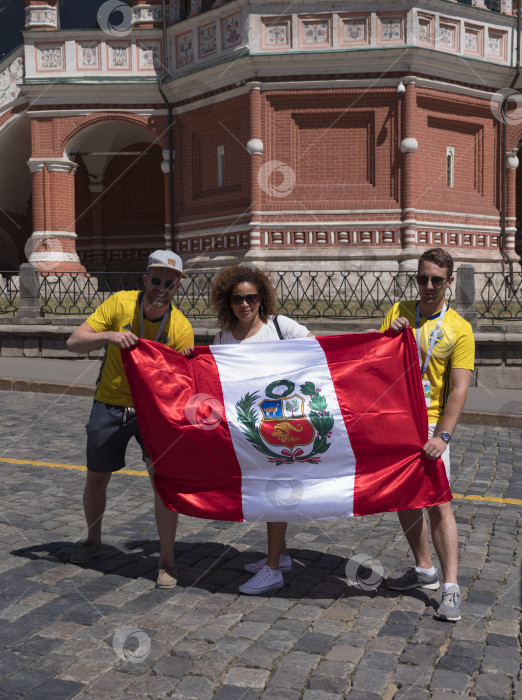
point(119, 194)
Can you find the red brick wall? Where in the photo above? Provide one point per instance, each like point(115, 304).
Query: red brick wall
point(198, 135)
point(468, 126)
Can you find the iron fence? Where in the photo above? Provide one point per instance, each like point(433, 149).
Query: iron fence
point(9, 297)
point(355, 294)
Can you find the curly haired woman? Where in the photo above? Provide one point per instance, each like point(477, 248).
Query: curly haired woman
point(245, 303)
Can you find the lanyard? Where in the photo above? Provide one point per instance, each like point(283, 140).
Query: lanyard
point(433, 340)
point(162, 324)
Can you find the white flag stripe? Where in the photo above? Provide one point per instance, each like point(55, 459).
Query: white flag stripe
point(298, 490)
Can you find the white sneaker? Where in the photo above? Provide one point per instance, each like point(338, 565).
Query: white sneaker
point(285, 564)
point(265, 580)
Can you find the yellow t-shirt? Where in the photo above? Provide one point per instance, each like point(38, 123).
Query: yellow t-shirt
point(454, 349)
point(121, 312)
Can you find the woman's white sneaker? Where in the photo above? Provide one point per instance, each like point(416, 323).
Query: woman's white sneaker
point(265, 580)
point(285, 564)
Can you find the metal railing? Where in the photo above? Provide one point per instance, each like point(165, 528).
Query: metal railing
point(355, 294)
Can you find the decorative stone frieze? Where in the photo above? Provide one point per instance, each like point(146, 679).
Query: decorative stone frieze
point(41, 17)
point(10, 81)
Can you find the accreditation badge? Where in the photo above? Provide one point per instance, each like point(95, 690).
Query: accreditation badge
point(426, 388)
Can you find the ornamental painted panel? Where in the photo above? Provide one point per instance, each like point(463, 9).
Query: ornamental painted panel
point(231, 31)
point(184, 49)
point(173, 11)
point(390, 28)
point(10, 81)
point(50, 57)
point(354, 31)
point(315, 32)
point(88, 55)
point(41, 17)
point(497, 45)
point(207, 40)
point(448, 36)
point(149, 54)
point(118, 55)
point(276, 33)
point(425, 30)
point(473, 40)
point(147, 14)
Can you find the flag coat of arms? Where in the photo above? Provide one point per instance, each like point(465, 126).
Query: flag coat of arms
point(292, 430)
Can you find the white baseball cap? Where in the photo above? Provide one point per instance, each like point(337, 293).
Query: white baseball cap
point(166, 258)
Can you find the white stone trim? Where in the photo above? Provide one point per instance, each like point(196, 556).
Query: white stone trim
point(62, 165)
point(53, 257)
point(334, 212)
point(86, 113)
point(53, 234)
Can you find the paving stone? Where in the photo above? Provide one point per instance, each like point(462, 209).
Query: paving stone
point(213, 665)
point(194, 688)
point(151, 687)
point(172, 666)
point(501, 640)
point(259, 656)
point(373, 680)
point(315, 643)
point(235, 692)
point(407, 675)
point(409, 692)
point(501, 659)
point(344, 652)
point(321, 695)
point(56, 689)
point(453, 681)
point(293, 678)
point(247, 677)
point(459, 663)
point(419, 654)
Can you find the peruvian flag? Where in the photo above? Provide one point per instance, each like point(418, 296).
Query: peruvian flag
point(290, 430)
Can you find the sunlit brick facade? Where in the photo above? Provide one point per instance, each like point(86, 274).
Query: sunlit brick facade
point(313, 137)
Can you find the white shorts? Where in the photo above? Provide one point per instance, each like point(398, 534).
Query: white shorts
point(433, 430)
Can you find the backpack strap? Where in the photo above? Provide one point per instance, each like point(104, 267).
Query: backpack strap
point(276, 324)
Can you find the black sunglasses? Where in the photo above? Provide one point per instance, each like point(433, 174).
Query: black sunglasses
point(240, 298)
point(436, 281)
point(156, 282)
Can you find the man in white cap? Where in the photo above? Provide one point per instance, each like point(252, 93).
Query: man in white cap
point(118, 323)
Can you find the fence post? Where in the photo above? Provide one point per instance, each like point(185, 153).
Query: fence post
point(466, 293)
point(29, 292)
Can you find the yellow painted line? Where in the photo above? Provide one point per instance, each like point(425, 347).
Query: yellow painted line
point(55, 465)
point(490, 499)
point(134, 472)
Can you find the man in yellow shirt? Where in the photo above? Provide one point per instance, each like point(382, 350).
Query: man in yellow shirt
point(118, 323)
point(446, 359)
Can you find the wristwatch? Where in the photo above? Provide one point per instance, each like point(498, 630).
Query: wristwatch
point(445, 436)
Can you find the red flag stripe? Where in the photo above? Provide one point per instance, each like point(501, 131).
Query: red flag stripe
point(179, 405)
point(382, 404)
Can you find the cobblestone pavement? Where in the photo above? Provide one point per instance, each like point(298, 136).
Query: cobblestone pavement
point(63, 627)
